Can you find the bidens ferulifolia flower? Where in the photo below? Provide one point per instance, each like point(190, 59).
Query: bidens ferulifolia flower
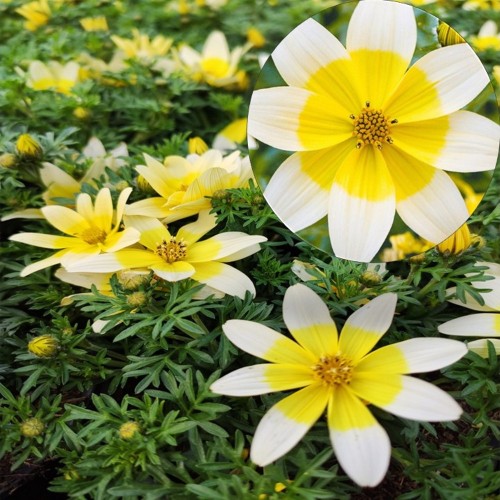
point(89, 230)
point(372, 136)
point(181, 256)
point(486, 323)
point(339, 374)
point(184, 184)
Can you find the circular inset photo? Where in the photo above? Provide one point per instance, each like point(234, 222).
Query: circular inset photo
point(375, 124)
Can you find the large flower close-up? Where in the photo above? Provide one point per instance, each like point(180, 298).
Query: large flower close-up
point(181, 256)
point(340, 374)
point(372, 130)
point(89, 230)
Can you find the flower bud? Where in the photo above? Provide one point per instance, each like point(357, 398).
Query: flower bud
point(128, 430)
point(81, 113)
point(32, 427)
point(196, 145)
point(143, 185)
point(137, 299)
point(43, 346)
point(7, 160)
point(370, 278)
point(458, 242)
point(29, 147)
point(131, 279)
point(255, 37)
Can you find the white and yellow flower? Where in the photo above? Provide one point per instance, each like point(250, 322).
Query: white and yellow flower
point(89, 230)
point(231, 135)
point(181, 256)
point(141, 47)
point(215, 64)
point(339, 374)
point(185, 183)
point(98, 23)
point(488, 37)
point(370, 135)
point(485, 323)
point(53, 76)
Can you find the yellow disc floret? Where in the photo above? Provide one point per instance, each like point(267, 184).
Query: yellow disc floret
point(371, 126)
point(333, 370)
point(93, 235)
point(171, 251)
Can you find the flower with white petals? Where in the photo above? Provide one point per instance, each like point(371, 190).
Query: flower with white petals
point(339, 374)
point(53, 76)
point(486, 323)
point(370, 135)
point(184, 184)
point(89, 230)
point(183, 255)
point(215, 64)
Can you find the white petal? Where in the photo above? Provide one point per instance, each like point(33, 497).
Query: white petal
point(362, 205)
point(420, 400)
point(428, 354)
point(247, 381)
point(306, 58)
point(481, 346)
point(265, 343)
point(473, 325)
point(440, 83)
point(298, 191)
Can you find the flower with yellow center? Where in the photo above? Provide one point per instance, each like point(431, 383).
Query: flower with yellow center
point(216, 65)
point(339, 374)
point(43, 346)
point(370, 135)
point(231, 135)
point(181, 256)
point(484, 324)
point(89, 230)
point(482, 5)
point(141, 47)
point(98, 23)
point(184, 184)
point(53, 76)
point(488, 37)
point(37, 14)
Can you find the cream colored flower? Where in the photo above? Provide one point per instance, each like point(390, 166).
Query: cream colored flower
point(184, 184)
point(141, 47)
point(53, 76)
point(488, 37)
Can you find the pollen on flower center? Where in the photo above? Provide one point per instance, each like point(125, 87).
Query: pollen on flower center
point(371, 126)
point(171, 251)
point(333, 370)
point(93, 235)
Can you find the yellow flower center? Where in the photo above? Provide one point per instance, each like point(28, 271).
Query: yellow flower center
point(371, 126)
point(333, 370)
point(93, 235)
point(171, 251)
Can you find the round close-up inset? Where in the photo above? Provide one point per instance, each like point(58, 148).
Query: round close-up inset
point(376, 127)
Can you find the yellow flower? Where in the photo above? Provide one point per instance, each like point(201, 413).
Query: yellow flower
point(128, 430)
point(90, 230)
point(185, 183)
point(53, 76)
point(486, 323)
point(26, 145)
point(487, 38)
point(404, 245)
point(447, 35)
point(372, 135)
point(37, 14)
point(43, 346)
point(340, 374)
point(140, 47)
point(181, 256)
point(216, 64)
point(7, 160)
point(255, 37)
point(32, 427)
point(98, 23)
